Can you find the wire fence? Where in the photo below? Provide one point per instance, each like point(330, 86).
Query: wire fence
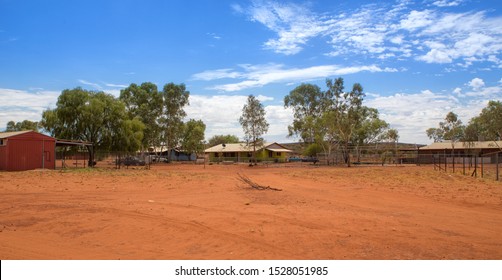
point(79, 158)
point(476, 164)
point(486, 165)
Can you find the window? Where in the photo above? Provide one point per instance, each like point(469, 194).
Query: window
point(3, 142)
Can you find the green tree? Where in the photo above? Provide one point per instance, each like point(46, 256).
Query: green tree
point(333, 118)
point(145, 103)
point(312, 150)
point(253, 122)
point(487, 125)
point(452, 128)
point(436, 134)
point(370, 130)
point(393, 135)
point(128, 137)
point(193, 136)
point(222, 139)
point(20, 126)
point(344, 114)
point(91, 116)
point(307, 102)
point(174, 99)
point(490, 121)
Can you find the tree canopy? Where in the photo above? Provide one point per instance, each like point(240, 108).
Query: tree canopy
point(333, 117)
point(307, 102)
point(192, 140)
point(95, 117)
point(174, 99)
point(20, 126)
point(253, 122)
point(222, 139)
point(487, 125)
point(145, 103)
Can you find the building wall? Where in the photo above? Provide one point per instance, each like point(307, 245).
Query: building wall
point(229, 156)
point(28, 151)
point(3, 157)
point(261, 155)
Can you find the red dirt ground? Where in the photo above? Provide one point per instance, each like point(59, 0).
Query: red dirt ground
point(192, 212)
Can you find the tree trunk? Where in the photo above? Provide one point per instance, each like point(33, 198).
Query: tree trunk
point(254, 152)
point(347, 155)
point(90, 150)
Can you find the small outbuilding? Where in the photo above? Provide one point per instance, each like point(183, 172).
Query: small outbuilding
point(26, 150)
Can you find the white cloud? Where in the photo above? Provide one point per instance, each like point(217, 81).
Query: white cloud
point(263, 98)
point(221, 115)
point(417, 19)
point(398, 40)
point(413, 113)
point(436, 56)
point(115, 85)
point(375, 30)
point(214, 36)
point(476, 83)
point(293, 23)
point(110, 88)
point(446, 3)
point(19, 105)
point(87, 83)
point(216, 74)
point(260, 75)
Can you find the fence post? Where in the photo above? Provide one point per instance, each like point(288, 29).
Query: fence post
point(497, 165)
point(463, 163)
point(445, 162)
point(482, 165)
point(475, 166)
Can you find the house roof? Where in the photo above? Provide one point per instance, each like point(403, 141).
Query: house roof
point(233, 147)
point(243, 147)
point(464, 145)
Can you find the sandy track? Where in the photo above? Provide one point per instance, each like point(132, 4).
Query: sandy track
point(188, 212)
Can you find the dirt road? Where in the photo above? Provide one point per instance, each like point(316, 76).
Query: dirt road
point(191, 212)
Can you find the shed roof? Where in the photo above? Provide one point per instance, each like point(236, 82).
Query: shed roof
point(464, 145)
point(4, 135)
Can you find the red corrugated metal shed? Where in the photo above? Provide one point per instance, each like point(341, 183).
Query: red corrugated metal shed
point(26, 150)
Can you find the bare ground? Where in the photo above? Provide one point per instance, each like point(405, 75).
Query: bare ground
point(192, 212)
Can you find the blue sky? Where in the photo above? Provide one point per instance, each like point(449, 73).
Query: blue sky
point(417, 60)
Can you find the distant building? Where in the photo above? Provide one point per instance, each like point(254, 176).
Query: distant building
point(174, 154)
point(26, 150)
point(241, 152)
point(485, 149)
